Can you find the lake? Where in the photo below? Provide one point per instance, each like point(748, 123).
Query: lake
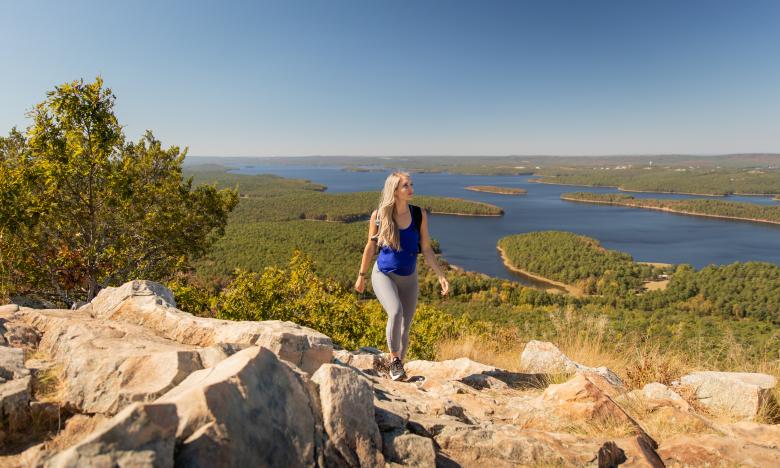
point(649, 236)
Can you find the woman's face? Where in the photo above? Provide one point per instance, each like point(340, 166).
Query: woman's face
point(405, 189)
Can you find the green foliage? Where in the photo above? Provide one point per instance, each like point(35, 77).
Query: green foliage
point(89, 210)
point(735, 291)
point(576, 260)
point(299, 295)
point(729, 209)
point(705, 181)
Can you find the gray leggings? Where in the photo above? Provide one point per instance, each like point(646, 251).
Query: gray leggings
point(398, 296)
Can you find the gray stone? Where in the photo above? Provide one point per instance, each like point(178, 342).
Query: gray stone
point(409, 449)
point(348, 415)
point(14, 405)
point(739, 393)
point(249, 410)
point(217, 353)
point(140, 435)
point(152, 305)
point(21, 336)
point(12, 363)
point(542, 357)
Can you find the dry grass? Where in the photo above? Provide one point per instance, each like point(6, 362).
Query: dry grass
point(500, 349)
point(636, 360)
point(76, 429)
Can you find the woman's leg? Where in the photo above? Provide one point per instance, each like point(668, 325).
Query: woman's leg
point(386, 291)
point(408, 289)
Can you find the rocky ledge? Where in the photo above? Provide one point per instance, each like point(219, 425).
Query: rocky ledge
point(163, 388)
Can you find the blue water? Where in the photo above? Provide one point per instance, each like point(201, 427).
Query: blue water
point(649, 236)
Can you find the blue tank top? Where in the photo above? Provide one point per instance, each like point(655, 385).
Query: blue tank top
point(403, 262)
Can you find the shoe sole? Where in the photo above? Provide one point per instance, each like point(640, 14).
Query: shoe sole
point(397, 377)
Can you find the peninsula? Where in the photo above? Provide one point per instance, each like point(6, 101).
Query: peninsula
point(694, 207)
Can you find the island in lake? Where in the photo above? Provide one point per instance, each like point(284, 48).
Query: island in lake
point(496, 189)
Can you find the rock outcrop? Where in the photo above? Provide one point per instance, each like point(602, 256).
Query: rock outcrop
point(543, 357)
point(180, 390)
point(743, 394)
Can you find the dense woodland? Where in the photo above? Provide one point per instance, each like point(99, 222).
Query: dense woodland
point(576, 260)
point(704, 181)
point(708, 207)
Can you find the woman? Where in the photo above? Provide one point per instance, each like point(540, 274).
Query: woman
point(394, 276)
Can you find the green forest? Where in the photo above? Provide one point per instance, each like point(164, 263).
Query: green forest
point(702, 181)
point(699, 206)
point(576, 260)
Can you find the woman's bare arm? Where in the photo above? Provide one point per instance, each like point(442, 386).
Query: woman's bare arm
point(368, 253)
point(429, 255)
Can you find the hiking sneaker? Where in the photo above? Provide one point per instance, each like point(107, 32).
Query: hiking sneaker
point(397, 369)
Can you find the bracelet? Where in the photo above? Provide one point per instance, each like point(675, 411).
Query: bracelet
point(362, 274)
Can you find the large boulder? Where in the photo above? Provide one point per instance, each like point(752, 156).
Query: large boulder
point(141, 435)
point(580, 400)
point(742, 394)
point(543, 357)
point(251, 409)
point(348, 415)
point(152, 305)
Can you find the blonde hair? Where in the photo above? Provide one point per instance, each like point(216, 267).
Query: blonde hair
point(388, 230)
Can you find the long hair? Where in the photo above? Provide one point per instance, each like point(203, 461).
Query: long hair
point(388, 231)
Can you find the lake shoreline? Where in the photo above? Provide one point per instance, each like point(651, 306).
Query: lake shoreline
point(573, 290)
point(670, 210)
point(621, 189)
point(466, 214)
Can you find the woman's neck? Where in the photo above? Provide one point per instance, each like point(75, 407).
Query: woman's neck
point(401, 207)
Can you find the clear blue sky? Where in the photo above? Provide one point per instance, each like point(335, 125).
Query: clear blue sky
point(370, 77)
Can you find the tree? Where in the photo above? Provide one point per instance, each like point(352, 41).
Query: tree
point(83, 209)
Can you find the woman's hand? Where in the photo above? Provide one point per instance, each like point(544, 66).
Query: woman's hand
point(360, 284)
point(445, 285)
